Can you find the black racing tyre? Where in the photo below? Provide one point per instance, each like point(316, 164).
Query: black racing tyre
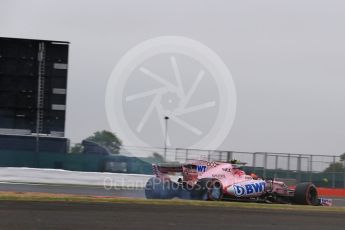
point(158, 189)
point(207, 189)
point(185, 191)
point(150, 193)
point(305, 193)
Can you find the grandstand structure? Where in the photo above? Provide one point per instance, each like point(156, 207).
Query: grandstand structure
point(33, 91)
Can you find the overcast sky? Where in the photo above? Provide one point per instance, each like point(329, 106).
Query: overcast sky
point(286, 59)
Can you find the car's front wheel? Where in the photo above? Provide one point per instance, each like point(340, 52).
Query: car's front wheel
point(305, 193)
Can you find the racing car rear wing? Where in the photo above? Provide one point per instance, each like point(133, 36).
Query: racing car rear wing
point(159, 169)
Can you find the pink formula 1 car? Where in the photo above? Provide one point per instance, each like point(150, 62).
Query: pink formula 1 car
point(204, 180)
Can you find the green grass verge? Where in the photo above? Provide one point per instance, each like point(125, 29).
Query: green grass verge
point(43, 197)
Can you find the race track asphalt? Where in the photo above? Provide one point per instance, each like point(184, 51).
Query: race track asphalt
point(64, 215)
point(93, 191)
point(72, 190)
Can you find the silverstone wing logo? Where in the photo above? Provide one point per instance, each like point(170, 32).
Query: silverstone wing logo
point(176, 77)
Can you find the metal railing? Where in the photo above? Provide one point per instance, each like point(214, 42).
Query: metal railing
point(324, 170)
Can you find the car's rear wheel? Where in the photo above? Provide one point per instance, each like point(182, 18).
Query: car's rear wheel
point(207, 189)
point(305, 193)
point(185, 191)
point(156, 188)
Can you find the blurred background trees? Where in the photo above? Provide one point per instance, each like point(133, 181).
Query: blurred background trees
point(337, 166)
point(104, 138)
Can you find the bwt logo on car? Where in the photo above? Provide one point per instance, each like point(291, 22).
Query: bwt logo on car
point(201, 168)
point(249, 189)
